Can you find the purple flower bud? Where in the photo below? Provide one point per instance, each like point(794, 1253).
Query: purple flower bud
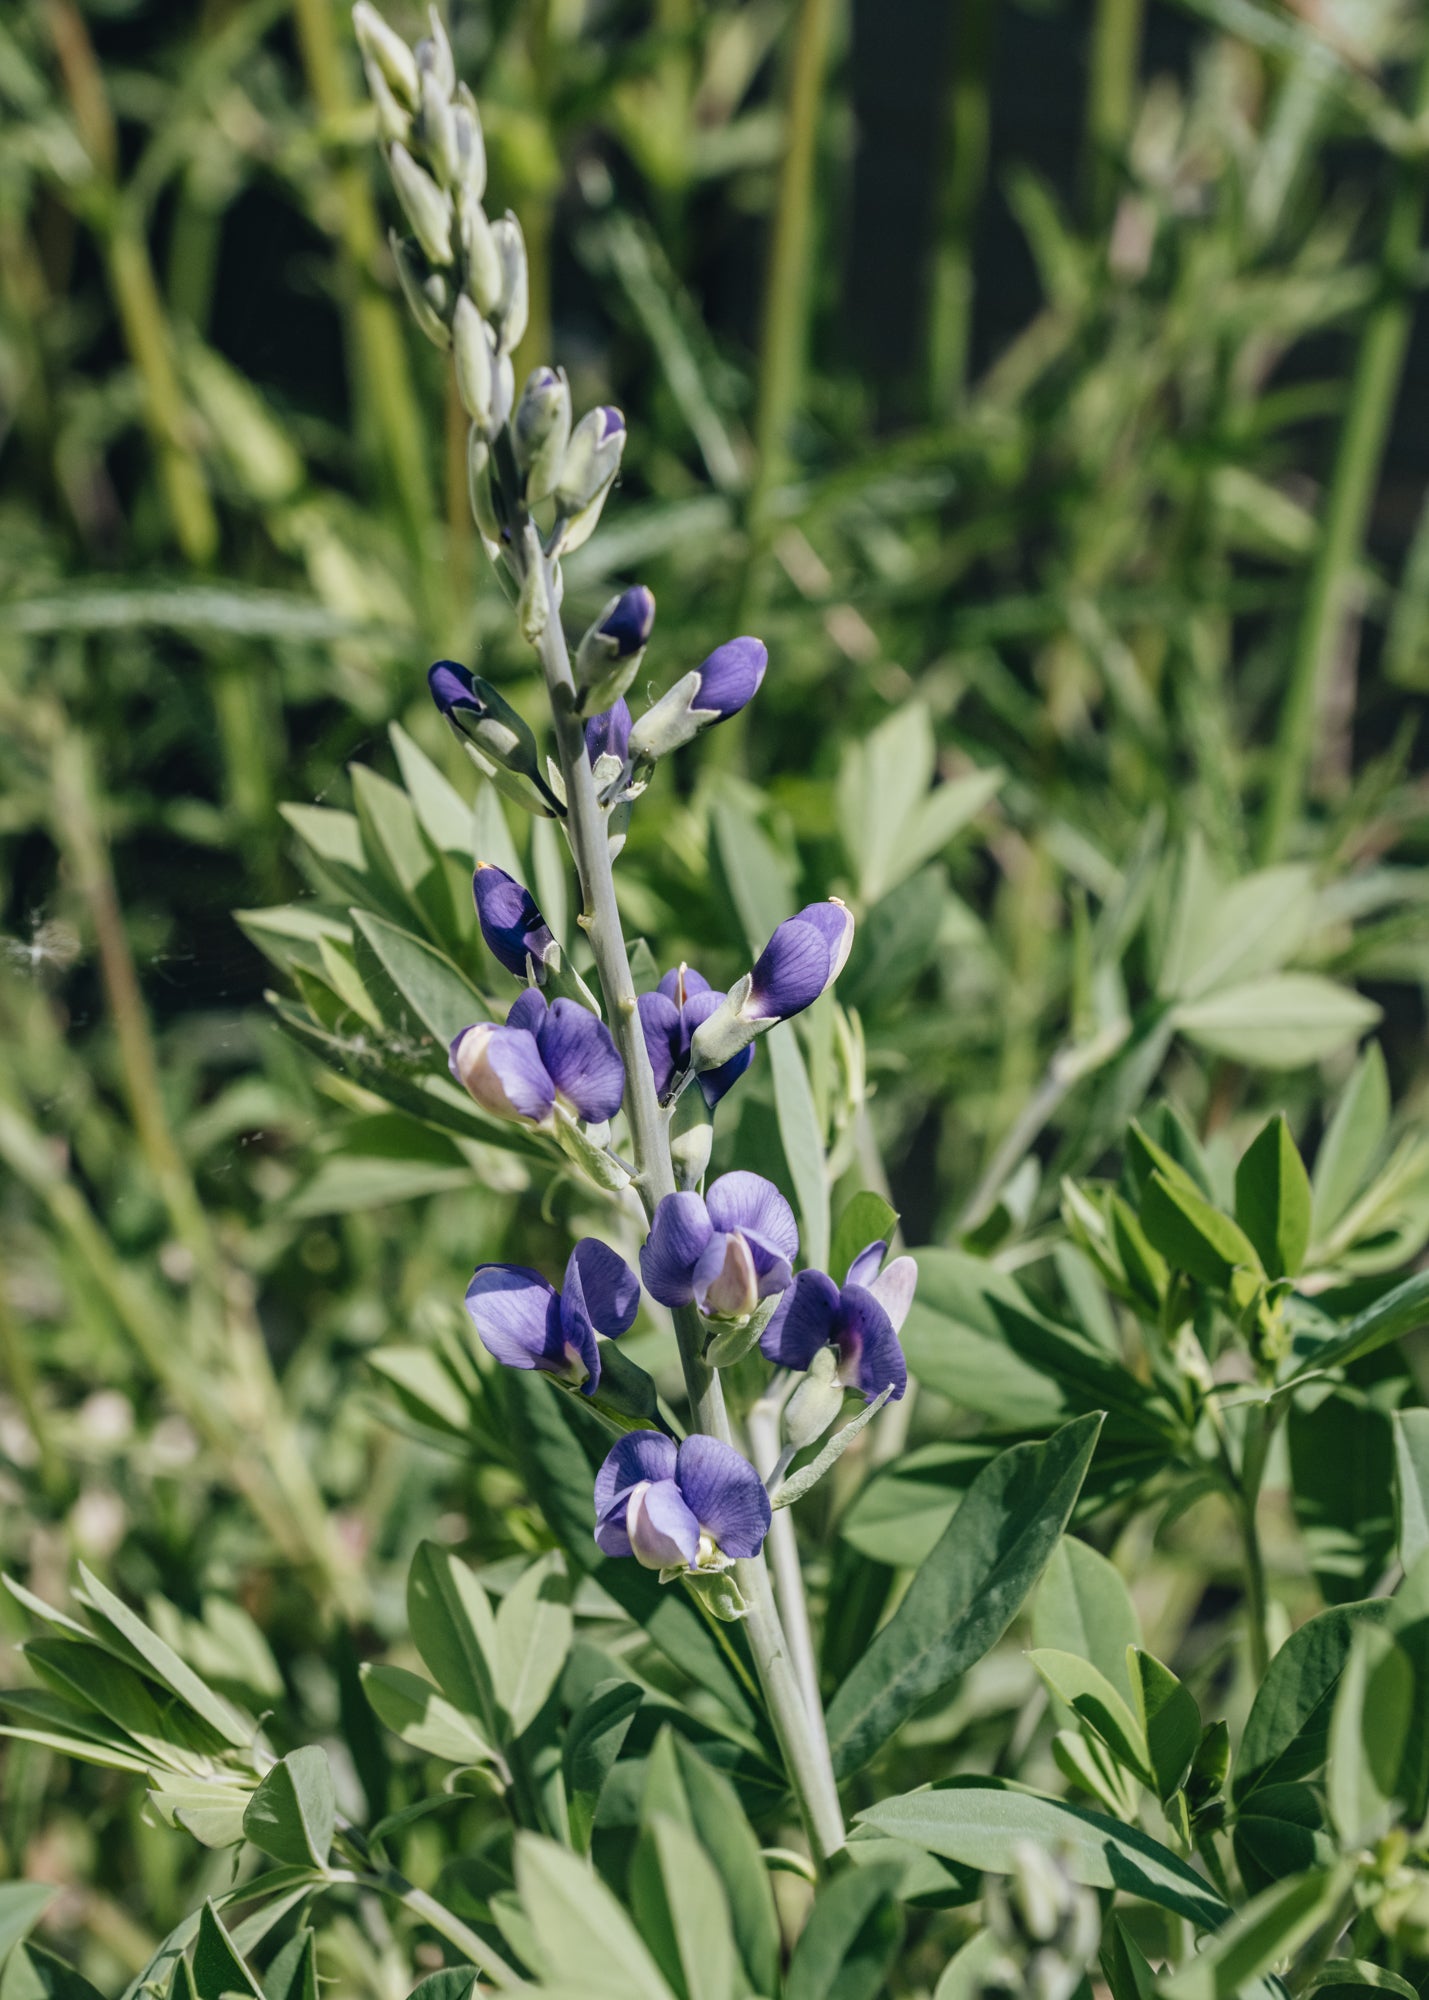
point(451, 687)
point(608, 734)
point(696, 1506)
point(526, 1323)
point(722, 1252)
point(611, 421)
point(860, 1321)
point(730, 677)
point(511, 924)
point(669, 1017)
point(630, 624)
point(804, 957)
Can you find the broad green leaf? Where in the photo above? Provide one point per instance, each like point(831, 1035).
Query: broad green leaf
point(850, 1939)
point(1272, 1199)
point(440, 998)
point(491, 840)
point(1091, 1695)
point(217, 1967)
point(1083, 1606)
point(293, 1813)
point(290, 934)
point(1342, 1485)
point(1124, 1965)
point(162, 1661)
point(980, 1822)
point(32, 1973)
point(937, 818)
point(1343, 1975)
point(1411, 1461)
point(1270, 1927)
point(594, 1740)
point(80, 1732)
point(679, 1782)
point(21, 1905)
point(413, 1709)
point(533, 1636)
point(1353, 1140)
point(1255, 926)
point(393, 838)
point(1369, 1734)
point(801, 1136)
point(964, 1977)
point(453, 1629)
point(380, 1159)
point(212, 1813)
point(967, 1592)
point(760, 878)
point(1403, 1310)
point(1169, 1717)
point(439, 805)
point(1281, 1832)
point(550, 861)
point(456, 1982)
point(293, 1973)
point(899, 1515)
point(581, 1933)
point(159, 1725)
point(866, 1219)
point(679, 1904)
point(1192, 1235)
point(1287, 1731)
point(1281, 1022)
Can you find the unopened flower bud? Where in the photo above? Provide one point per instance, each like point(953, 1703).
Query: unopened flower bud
point(816, 1402)
point(670, 724)
point(511, 308)
point(427, 209)
point(394, 121)
point(426, 292)
point(483, 258)
point(608, 657)
point(473, 353)
point(434, 55)
point(437, 131)
point(592, 460)
point(475, 710)
point(541, 429)
point(802, 959)
point(478, 485)
point(388, 52)
point(729, 678)
point(470, 145)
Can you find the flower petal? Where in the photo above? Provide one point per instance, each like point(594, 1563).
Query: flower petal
point(517, 1316)
point(870, 1356)
point(511, 924)
point(790, 973)
point(730, 677)
point(583, 1061)
point(678, 1235)
point(803, 1321)
point(726, 1283)
point(638, 1455)
point(450, 685)
point(750, 1203)
point(631, 622)
point(833, 921)
point(501, 1069)
point(609, 1289)
point(662, 1530)
point(528, 1010)
point(725, 1493)
point(865, 1266)
point(608, 734)
point(699, 1005)
point(894, 1289)
point(660, 1025)
point(681, 982)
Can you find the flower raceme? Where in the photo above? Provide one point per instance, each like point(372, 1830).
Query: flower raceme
point(698, 1506)
point(668, 1019)
point(724, 1251)
point(526, 1323)
point(546, 1057)
point(802, 960)
point(858, 1321)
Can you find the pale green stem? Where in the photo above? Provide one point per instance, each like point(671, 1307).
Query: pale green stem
point(1329, 595)
point(1115, 59)
point(762, 1425)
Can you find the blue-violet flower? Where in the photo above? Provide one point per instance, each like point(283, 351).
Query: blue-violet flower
point(513, 928)
point(724, 1251)
point(668, 1018)
point(544, 1056)
point(859, 1320)
point(698, 1506)
point(526, 1323)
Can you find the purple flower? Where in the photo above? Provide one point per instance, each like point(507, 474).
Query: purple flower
point(730, 677)
point(543, 1056)
point(451, 686)
point(804, 957)
point(669, 1017)
point(629, 625)
point(526, 1323)
point(860, 1321)
point(695, 1506)
point(723, 1252)
point(513, 927)
point(608, 734)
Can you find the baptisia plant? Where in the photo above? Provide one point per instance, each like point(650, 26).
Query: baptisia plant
point(582, 1058)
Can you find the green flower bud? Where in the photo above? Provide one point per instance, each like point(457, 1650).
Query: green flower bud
point(592, 460)
point(388, 53)
point(670, 724)
point(483, 258)
point(470, 145)
point(435, 55)
point(478, 485)
point(533, 607)
point(437, 132)
point(510, 313)
point(427, 209)
point(394, 123)
point(541, 429)
point(816, 1402)
point(473, 353)
point(426, 293)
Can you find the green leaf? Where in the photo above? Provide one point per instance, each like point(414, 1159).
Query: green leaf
point(968, 1591)
point(801, 1135)
point(1281, 1022)
point(293, 1973)
point(1169, 1717)
point(937, 818)
point(964, 1977)
point(980, 1822)
point(21, 1904)
point(1403, 1310)
point(456, 1982)
point(1369, 1734)
point(1191, 1235)
point(440, 807)
point(899, 1515)
point(1411, 1463)
point(594, 1740)
point(1339, 1975)
point(32, 1973)
point(534, 1627)
point(217, 1968)
point(580, 1932)
point(850, 1939)
point(1091, 1696)
point(413, 1709)
point(293, 1813)
point(1342, 1485)
point(1353, 1141)
point(1281, 1832)
point(162, 1727)
point(393, 838)
point(452, 1628)
point(441, 999)
point(1083, 1606)
point(1287, 1731)
point(1272, 1199)
point(1124, 1965)
point(760, 878)
point(290, 934)
point(1268, 1929)
point(679, 1904)
point(164, 1663)
point(865, 1219)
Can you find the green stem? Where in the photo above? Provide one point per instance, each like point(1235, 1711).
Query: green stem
point(1260, 1425)
point(1329, 596)
point(965, 149)
point(1115, 61)
point(762, 1424)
